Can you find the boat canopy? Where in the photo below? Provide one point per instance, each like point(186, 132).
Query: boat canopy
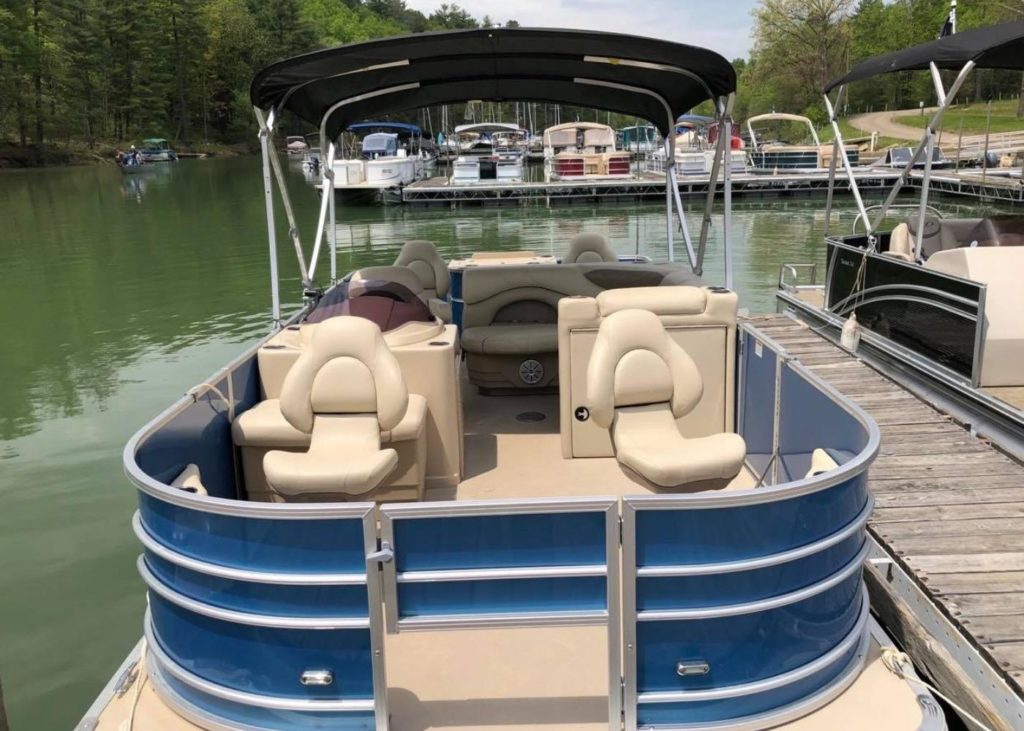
point(595, 134)
point(694, 119)
point(399, 127)
point(489, 128)
point(643, 77)
point(155, 142)
point(994, 47)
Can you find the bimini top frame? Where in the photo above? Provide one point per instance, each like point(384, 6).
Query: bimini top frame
point(780, 117)
point(995, 47)
point(642, 77)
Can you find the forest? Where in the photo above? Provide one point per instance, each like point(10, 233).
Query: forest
point(92, 73)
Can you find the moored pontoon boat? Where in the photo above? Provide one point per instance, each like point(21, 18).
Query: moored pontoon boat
point(157, 149)
point(489, 151)
point(664, 530)
point(774, 155)
point(391, 154)
point(938, 299)
point(583, 151)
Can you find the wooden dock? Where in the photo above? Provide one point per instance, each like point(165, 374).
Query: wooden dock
point(949, 512)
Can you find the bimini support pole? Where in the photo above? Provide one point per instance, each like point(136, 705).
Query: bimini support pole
point(832, 170)
point(834, 120)
point(670, 172)
point(321, 223)
point(709, 200)
point(945, 100)
point(727, 194)
point(332, 230)
point(268, 195)
point(293, 228)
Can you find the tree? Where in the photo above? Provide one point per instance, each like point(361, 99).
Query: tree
point(451, 17)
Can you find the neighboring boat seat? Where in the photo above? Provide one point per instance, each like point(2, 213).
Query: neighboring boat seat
point(589, 247)
point(639, 381)
point(425, 261)
point(345, 391)
point(997, 267)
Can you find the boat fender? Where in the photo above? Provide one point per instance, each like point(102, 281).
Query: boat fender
point(850, 337)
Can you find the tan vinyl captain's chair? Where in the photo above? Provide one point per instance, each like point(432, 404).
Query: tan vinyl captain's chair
point(423, 258)
point(344, 390)
point(639, 381)
point(589, 248)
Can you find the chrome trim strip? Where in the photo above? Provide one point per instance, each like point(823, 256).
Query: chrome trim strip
point(492, 621)
point(761, 605)
point(862, 293)
point(702, 569)
point(226, 572)
point(855, 636)
point(538, 572)
point(236, 617)
point(165, 662)
point(527, 506)
point(865, 300)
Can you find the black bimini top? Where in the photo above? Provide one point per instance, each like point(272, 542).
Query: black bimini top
point(995, 47)
point(495, 64)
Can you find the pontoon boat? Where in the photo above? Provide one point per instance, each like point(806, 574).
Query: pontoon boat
point(157, 149)
point(489, 152)
point(391, 154)
point(777, 154)
point(583, 150)
point(939, 300)
point(349, 526)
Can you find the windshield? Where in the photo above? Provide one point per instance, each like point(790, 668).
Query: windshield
point(389, 305)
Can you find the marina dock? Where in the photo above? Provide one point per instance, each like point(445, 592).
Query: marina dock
point(947, 572)
point(438, 190)
point(992, 185)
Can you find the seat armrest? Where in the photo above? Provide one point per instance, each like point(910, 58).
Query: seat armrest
point(441, 309)
point(412, 424)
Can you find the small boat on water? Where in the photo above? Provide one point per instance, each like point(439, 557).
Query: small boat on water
point(390, 155)
point(157, 149)
point(584, 151)
point(696, 137)
point(936, 301)
point(521, 492)
point(489, 152)
point(640, 140)
point(296, 145)
point(787, 149)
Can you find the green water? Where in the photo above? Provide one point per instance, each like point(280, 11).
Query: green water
point(117, 293)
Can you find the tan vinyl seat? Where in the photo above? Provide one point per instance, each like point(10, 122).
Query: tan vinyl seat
point(589, 248)
point(639, 381)
point(512, 339)
point(344, 390)
point(425, 261)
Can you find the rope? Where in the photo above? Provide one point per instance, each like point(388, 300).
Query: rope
point(899, 663)
point(129, 723)
point(196, 391)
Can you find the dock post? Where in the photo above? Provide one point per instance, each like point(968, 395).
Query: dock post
point(3, 712)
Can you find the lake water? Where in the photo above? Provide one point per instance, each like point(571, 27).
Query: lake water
point(118, 293)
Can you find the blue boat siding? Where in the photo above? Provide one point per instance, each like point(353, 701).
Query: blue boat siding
point(735, 606)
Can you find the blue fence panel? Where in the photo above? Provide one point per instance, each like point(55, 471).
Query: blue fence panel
point(757, 401)
point(455, 562)
point(257, 544)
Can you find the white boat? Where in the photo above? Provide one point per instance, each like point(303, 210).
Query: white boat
point(583, 151)
point(489, 152)
point(391, 155)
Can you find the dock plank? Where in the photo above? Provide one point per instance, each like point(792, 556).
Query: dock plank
point(949, 505)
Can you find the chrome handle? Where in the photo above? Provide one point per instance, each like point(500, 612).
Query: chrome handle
point(385, 555)
point(692, 667)
point(316, 677)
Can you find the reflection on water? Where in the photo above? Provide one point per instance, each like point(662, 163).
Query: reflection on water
point(121, 291)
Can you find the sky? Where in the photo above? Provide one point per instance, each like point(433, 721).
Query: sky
point(721, 25)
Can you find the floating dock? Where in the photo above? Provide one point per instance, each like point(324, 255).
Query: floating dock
point(438, 190)
point(947, 570)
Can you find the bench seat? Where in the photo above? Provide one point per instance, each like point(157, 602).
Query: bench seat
point(512, 338)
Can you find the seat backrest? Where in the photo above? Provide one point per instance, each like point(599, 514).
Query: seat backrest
point(346, 369)
point(397, 274)
point(635, 362)
point(589, 247)
point(423, 258)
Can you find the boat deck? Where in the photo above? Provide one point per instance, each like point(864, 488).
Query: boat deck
point(949, 506)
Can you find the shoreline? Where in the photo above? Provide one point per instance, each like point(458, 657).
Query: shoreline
point(74, 153)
